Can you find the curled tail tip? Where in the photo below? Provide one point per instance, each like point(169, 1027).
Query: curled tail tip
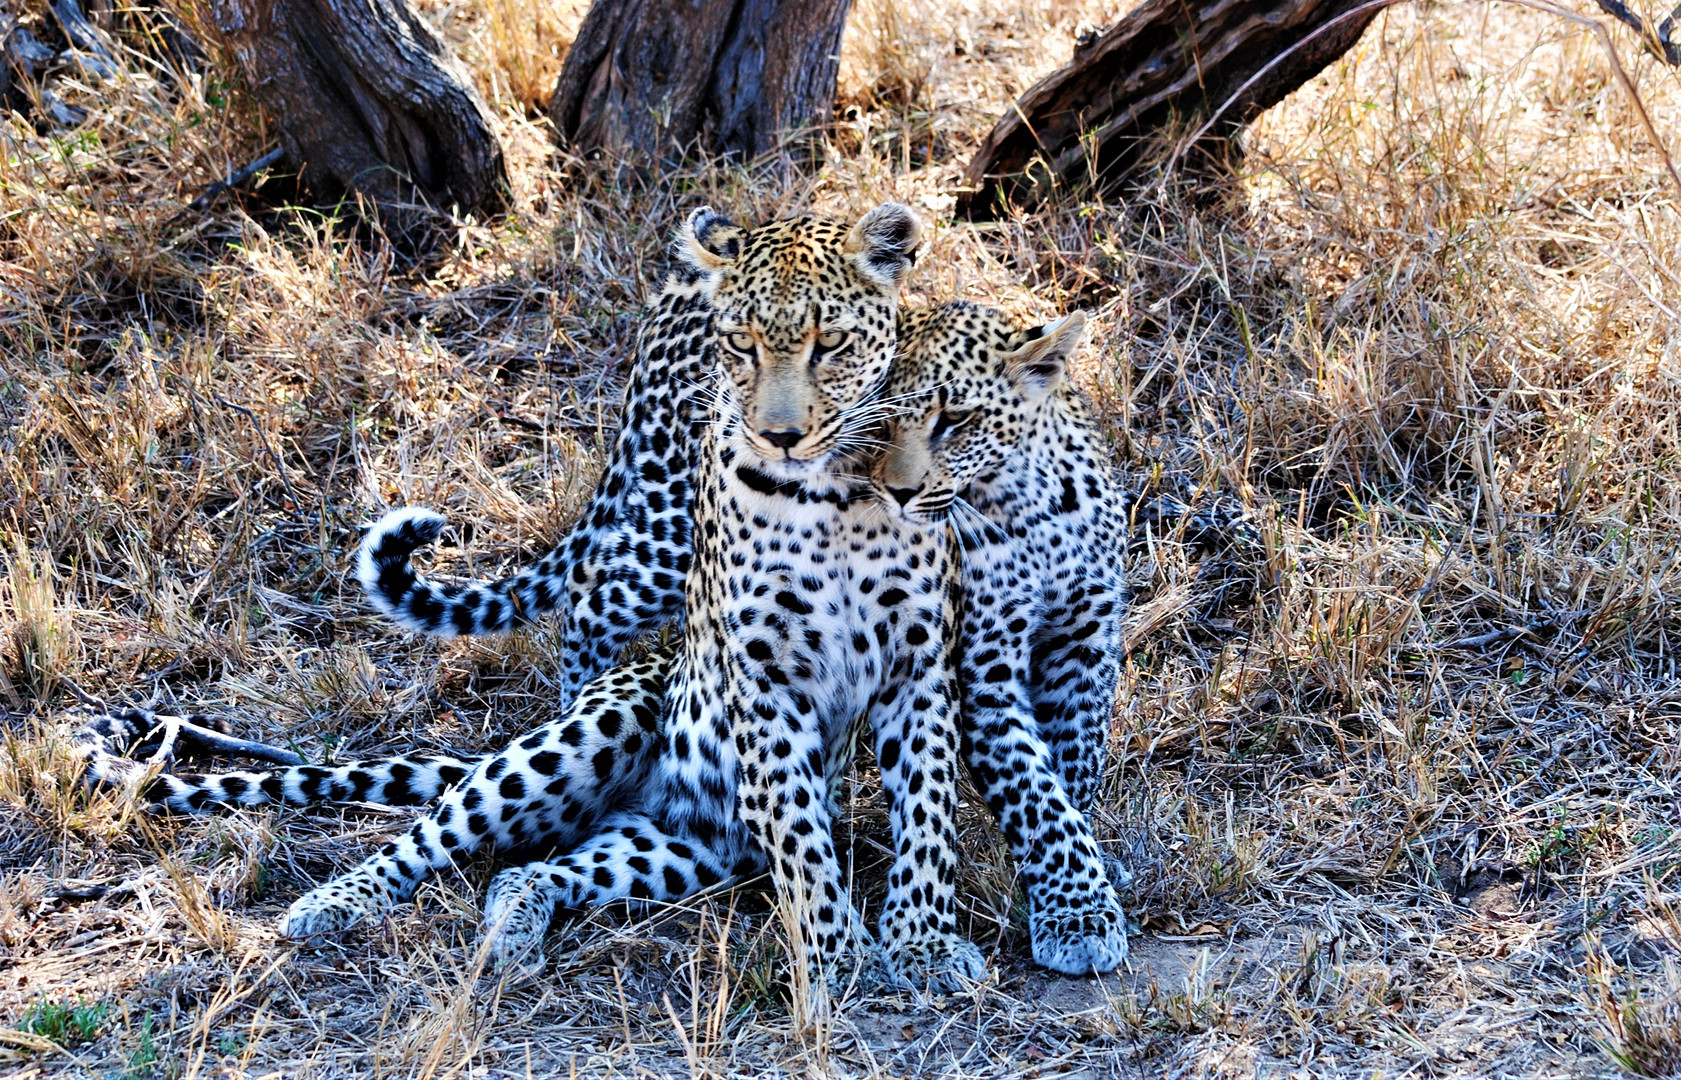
point(390, 542)
point(407, 526)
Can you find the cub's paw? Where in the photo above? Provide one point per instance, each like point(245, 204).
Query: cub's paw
point(937, 965)
point(1118, 873)
point(1081, 938)
point(330, 908)
point(517, 913)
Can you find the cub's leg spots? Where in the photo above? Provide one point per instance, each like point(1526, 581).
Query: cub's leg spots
point(1080, 938)
point(1073, 693)
point(1075, 919)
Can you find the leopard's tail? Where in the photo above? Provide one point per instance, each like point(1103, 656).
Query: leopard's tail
point(407, 780)
point(474, 607)
point(119, 746)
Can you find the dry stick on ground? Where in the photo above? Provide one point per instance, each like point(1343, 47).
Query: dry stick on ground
point(234, 179)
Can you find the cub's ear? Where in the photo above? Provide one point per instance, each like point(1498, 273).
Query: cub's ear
point(1038, 365)
point(708, 241)
point(883, 244)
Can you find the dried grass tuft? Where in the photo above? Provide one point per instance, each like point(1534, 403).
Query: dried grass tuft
point(1641, 1028)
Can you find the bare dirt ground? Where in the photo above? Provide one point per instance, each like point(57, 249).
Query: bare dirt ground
point(1399, 791)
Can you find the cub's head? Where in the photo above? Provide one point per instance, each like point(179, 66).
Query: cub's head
point(805, 312)
point(967, 380)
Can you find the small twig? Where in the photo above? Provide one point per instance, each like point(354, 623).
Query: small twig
point(1494, 637)
point(297, 504)
point(83, 696)
point(1482, 640)
point(210, 739)
point(221, 187)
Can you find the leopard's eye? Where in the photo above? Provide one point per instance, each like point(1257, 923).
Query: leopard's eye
point(950, 420)
point(740, 341)
point(830, 340)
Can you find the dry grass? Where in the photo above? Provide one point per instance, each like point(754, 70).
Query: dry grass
point(1405, 803)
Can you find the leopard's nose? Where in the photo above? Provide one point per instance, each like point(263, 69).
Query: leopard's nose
point(782, 440)
point(903, 495)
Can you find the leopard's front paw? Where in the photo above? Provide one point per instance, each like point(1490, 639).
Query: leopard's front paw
point(333, 907)
point(517, 913)
point(937, 965)
point(1081, 937)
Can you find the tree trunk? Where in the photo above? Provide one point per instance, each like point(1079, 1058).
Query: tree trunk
point(1165, 60)
point(366, 98)
point(650, 78)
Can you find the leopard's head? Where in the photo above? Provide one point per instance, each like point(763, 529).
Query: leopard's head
point(804, 324)
point(967, 381)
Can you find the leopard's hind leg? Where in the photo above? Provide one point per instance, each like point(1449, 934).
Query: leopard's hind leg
point(546, 789)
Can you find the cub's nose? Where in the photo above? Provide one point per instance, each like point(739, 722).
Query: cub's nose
point(903, 495)
point(782, 440)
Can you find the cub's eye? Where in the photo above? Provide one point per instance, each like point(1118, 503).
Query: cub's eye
point(950, 420)
point(740, 341)
point(828, 341)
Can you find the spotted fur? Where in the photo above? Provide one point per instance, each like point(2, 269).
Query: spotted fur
point(1004, 446)
point(619, 572)
point(548, 789)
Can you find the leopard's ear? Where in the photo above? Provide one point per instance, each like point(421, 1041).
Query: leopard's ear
point(708, 241)
point(883, 244)
point(1040, 362)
